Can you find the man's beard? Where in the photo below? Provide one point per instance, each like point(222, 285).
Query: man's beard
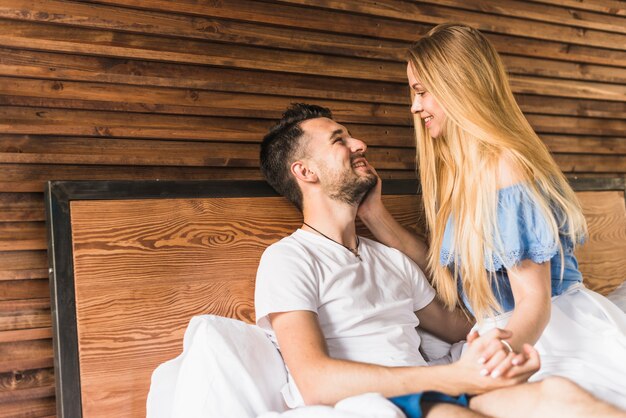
point(350, 188)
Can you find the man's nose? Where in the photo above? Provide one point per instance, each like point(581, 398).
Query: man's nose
point(356, 145)
point(416, 106)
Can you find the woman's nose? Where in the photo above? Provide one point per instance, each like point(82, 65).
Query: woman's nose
point(416, 106)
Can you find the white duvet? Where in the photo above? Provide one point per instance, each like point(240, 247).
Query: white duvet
point(229, 369)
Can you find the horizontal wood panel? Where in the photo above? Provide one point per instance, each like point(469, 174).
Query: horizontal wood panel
point(23, 260)
point(568, 88)
point(44, 407)
point(27, 394)
point(585, 145)
point(394, 159)
point(24, 289)
point(50, 38)
point(191, 102)
point(284, 15)
point(16, 236)
point(228, 31)
point(28, 384)
point(161, 153)
point(62, 67)
point(430, 14)
point(422, 13)
point(577, 125)
point(21, 206)
point(16, 178)
point(24, 320)
point(104, 96)
point(15, 62)
point(345, 112)
point(25, 355)
point(542, 13)
point(538, 104)
point(25, 334)
point(27, 305)
point(577, 163)
point(41, 121)
point(56, 39)
point(182, 26)
point(611, 7)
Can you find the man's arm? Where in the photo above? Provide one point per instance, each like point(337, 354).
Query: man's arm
point(450, 326)
point(325, 380)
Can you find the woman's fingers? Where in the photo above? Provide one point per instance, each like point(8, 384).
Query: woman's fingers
point(491, 348)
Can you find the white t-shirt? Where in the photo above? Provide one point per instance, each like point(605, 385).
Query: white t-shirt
point(365, 308)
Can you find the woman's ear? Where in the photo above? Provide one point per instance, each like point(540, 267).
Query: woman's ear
point(302, 172)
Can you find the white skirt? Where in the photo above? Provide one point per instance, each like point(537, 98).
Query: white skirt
point(585, 341)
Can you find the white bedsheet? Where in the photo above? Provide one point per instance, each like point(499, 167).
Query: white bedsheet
point(229, 369)
point(369, 405)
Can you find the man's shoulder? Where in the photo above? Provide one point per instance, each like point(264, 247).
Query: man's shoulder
point(292, 246)
point(291, 242)
point(383, 249)
point(392, 255)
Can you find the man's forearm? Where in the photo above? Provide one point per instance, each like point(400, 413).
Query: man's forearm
point(332, 380)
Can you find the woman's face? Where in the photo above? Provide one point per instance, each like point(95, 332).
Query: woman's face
point(425, 105)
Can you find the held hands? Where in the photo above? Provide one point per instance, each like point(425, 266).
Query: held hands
point(490, 364)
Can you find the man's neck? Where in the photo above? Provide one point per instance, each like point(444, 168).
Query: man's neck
point(335, 220)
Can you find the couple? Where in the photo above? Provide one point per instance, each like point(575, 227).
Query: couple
point(343, 309)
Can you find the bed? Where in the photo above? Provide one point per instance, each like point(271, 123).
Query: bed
point(132, 262)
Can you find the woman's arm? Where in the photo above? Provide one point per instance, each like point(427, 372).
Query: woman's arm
point(387, 230)
point(531, 286)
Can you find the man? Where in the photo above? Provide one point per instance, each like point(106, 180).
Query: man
point(343, 309)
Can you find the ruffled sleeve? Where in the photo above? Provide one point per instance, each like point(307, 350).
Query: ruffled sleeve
point(524, 232)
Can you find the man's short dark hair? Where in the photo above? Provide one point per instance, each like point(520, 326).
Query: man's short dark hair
point(283, 145)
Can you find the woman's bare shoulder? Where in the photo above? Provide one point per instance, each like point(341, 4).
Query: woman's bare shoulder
point(509, 172)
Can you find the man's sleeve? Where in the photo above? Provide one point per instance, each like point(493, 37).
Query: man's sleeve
point(285, 282)
point(423, 292)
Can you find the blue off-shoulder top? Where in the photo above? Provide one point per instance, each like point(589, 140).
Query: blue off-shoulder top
point(525, 235)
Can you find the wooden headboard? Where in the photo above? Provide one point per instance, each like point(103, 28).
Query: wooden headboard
point(132, 262)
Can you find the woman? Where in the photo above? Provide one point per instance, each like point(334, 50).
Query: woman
point(503, 220)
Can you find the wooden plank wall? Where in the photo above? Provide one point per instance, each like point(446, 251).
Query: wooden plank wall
point(184, 89)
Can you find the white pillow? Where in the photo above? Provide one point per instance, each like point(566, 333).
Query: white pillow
point(228, 369)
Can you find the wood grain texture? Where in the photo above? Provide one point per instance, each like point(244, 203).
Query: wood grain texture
point(542, 12)
point(601, 259)
point(25, 355)
point(24, 289)
point(610, 7)
point(160, 89)
point(430, 14)
point(28, 384)
point(23, 265)
point(29, 408)
point(21, 207)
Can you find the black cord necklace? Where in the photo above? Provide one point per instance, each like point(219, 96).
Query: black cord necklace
point(354, 250)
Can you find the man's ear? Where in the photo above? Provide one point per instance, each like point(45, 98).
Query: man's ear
point(302, 172)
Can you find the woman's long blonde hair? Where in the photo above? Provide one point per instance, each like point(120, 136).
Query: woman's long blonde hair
point(458, 170)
